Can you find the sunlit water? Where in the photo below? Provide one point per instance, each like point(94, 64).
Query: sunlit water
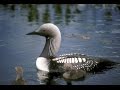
point(93, 30)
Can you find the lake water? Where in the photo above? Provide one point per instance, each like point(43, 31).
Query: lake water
point(93, 30)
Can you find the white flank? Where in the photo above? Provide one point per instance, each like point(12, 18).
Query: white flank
point(68, 60)
point(42, 64)
point(80, 60)
point(62, 61)
point(58, 61)
point(76, 61)
point(72, 60)
point(84, 59)
point(65, 60)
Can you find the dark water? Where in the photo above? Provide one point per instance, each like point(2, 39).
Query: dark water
point(89, 29)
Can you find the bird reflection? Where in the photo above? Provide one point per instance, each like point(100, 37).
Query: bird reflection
point(46, 78)
point(70, 76)
point(43, 77)
point(50, 78)
point(19, 78)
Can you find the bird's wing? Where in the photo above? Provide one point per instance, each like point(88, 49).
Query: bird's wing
point(79, 61)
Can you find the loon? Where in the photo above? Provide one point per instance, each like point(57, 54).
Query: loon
point(74, 65)
point(19, 78)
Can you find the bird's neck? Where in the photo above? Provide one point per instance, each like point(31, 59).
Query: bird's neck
point(51, 47)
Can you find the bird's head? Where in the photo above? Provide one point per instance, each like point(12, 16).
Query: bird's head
point(46, 30)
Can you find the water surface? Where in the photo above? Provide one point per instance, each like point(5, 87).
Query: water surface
point(93, 30)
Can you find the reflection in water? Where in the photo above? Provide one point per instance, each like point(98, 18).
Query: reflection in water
point(5, 6)
point(23, 6)
point(58, 9)
point(118, 6)
point(32, 13)
point(88, 28)
point(12, 7)
point(19, 78)
point(9, 6)
point(43, 77)
point(46, 78)
point(77, 10)
point(46, 15)
point(108, 15)
point(58, 13)
point(81, 7)
point(67, 14)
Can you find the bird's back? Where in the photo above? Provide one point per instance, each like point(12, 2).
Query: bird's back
point(78, 61)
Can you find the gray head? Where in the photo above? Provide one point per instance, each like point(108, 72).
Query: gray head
point(46, 30)
point(53, 38)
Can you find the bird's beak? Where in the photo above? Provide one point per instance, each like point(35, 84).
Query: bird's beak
point(33, 33)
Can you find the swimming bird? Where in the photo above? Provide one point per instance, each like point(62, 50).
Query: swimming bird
point(73, 65)
point(19, 78)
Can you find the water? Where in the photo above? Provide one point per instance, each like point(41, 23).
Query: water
point(93, 30)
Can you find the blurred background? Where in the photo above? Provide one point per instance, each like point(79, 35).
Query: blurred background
point(91, 29)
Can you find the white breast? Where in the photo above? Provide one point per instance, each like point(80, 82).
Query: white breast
point(42, 64)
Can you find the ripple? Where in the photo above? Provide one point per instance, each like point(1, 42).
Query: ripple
point(99, 20)
point(110, 47)
point(2, 45)
point(100, 24)
point(80, 36)
point(1, 40)
point(116, 24)
point(115, 31)
point(99, 31)
point(114, 52)
point(117, 20)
